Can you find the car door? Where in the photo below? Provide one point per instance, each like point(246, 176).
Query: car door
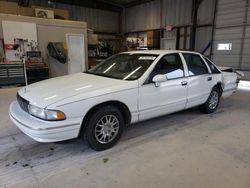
point(167, 97)
point(200, 80)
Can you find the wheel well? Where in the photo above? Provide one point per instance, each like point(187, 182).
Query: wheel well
point(219, 86)
point(121, 106)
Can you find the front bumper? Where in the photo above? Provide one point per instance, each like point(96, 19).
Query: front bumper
point(44, 131)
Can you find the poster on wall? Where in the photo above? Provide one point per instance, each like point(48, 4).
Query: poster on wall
point(133, 42)
point(19, 38)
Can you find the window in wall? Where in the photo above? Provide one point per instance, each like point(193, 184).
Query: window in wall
point(224, 46)
point(196, 66)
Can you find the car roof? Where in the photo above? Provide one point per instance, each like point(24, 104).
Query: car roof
point(159, 52)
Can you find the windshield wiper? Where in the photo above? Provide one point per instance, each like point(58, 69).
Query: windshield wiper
point(104, 75)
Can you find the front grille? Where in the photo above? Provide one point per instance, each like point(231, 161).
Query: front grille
point(23, 103)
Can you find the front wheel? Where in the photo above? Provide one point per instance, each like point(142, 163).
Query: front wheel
point(212, 102)
point(104, 128)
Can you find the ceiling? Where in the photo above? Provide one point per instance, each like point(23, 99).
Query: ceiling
point(125, 3)
point(113, 5)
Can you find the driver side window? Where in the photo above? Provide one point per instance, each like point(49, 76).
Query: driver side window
point(169, 65)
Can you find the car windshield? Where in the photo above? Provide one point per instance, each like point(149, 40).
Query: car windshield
point(124, 66)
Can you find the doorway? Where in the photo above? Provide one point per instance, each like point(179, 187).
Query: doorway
point(76, 53)
point(168, 43)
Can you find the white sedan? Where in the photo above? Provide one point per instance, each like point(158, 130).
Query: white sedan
point(126, 88)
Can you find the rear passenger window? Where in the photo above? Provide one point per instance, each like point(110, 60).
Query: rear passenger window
point(212, 67)
point(196, 66)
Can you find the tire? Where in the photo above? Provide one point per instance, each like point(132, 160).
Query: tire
point(104, 128)
point(212, 102)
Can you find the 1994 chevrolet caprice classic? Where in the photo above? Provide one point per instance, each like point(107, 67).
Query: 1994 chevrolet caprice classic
point(126, 88)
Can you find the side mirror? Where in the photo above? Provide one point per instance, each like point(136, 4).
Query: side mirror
point(158, 79)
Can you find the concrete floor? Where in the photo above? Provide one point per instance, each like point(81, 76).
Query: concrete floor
point(184, 150)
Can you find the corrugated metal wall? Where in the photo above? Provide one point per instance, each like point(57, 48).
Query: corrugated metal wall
point(177, 12)
point(203, 38)
point(98, 20)
point(204, 34)
point(160, 13)
point(143, 17)
point(206, 12)
point(157, 14)
point(232, 25)
point(228, 35)
point(246, 50)
point(232, 18)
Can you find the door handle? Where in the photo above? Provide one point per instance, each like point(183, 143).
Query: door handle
point(184, 83)
point(209, 78)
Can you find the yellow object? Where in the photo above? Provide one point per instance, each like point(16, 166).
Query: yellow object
point(60, 115)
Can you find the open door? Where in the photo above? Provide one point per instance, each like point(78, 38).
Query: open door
point(76, 53)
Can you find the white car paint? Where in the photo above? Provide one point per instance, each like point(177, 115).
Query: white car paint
point(157, 101)
point(76, 94)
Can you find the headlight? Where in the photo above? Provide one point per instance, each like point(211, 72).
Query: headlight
point(51, 115)
point(36, 111)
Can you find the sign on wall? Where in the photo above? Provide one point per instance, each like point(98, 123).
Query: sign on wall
point(19, 37)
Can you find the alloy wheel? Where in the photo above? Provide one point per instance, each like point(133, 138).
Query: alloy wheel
point(214, 99)
point(106, 129)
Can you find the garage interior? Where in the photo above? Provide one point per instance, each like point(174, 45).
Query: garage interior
point(185, 149)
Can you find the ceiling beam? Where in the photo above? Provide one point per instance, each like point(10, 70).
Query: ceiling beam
point(138, 2)
point(96, 4)
point(113, 3)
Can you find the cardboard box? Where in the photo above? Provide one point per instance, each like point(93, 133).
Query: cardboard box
point(13, 8)
point(25, 11)
point(8, 7)
point(92, 39)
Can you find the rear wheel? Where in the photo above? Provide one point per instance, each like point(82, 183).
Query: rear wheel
point(104, 128)
point(212, 102)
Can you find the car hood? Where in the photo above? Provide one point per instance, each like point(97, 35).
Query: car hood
point(50, 91)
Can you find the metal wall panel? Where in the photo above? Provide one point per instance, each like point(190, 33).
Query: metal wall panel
point(228, 35)
point(230, 12)
point(143, 17)
point(248, 15)
point(203, 38)
point(148, 16)
point(177, 12)
point(160, 13)
point(206, 12)
point(98, 20)
point(231, 19)
point(246, 50)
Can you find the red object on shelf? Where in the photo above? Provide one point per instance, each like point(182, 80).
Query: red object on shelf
point(9, 46)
